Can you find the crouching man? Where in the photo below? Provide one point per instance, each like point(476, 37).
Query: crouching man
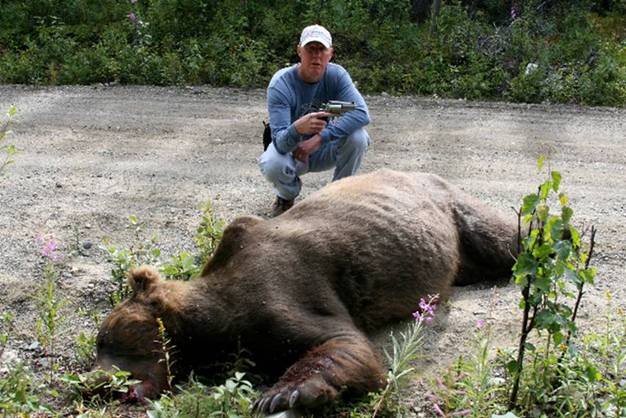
point(303, 138)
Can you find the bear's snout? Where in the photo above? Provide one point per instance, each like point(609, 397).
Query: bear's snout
point(150, 374)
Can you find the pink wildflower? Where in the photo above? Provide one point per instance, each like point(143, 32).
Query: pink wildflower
point(49, 248)
point(480, 323)
point(426, 309)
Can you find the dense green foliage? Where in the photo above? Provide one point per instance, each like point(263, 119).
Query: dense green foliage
point(557, 51)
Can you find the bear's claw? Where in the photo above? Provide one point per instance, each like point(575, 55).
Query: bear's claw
point(276, 402)
point(293, 398)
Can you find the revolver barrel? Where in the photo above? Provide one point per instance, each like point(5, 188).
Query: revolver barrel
point(337, 107)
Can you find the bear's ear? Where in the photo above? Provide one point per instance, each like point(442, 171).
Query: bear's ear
point(142, 279)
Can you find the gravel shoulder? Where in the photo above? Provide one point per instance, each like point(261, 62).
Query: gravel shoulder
point(92, 156)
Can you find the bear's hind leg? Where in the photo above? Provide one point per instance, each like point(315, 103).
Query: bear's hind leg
point(323, 372)
point(488, 241)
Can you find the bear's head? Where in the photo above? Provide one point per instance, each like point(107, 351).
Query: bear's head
point(129, 337)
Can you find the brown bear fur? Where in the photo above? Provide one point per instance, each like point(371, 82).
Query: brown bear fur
point(302, 292)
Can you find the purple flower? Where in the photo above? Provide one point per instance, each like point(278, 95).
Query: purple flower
point(132, 17)
point(132, 1)
point(480, 323)
point(426, 309)
point(49, 248)
point(514, 13)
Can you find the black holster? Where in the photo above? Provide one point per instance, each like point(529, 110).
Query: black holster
point(267, 135)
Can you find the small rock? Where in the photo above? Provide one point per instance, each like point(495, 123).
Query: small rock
point(531, 68)
point(8, 360)
point(87, 245)
point(497, 381)
point(34, 346)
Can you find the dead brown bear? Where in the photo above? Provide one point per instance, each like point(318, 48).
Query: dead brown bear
point(302, 292)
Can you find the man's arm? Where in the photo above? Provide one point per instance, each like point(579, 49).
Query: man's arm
point(284, 133)
point(351, 121)
point(288, 136)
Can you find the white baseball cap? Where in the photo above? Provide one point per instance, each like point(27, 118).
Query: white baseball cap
point(316, 33)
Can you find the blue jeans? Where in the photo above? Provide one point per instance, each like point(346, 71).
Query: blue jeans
point(284, 171)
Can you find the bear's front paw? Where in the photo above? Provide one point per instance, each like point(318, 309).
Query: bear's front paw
point(312, 392)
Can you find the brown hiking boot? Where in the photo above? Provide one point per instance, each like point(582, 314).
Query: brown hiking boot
point(280, 205)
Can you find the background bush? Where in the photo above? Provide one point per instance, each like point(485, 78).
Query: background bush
point(556, 51)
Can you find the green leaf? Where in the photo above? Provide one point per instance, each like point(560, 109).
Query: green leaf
point(566, 214)
point(525, 264)
point(575, 236)
point(540, 162)
point(529, 203)
point(556, 180)
point(545, 319)
point(12, 111)
point(543, 211)
point(132, 219)
point(592, 373)
point(543, 283)
point(573, 277)
point(553, 229)
point(563, 249)
point(588, 275)
point(544, 190)
point(512, 367)
point(557, 337)
point(543, 251)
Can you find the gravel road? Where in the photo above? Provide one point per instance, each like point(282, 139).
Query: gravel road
point(92, 156)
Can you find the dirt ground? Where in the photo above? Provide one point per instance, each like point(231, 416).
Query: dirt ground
point(92, 156)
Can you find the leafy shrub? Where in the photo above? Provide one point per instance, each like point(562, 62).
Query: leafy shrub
point(551, 269)
point(18, 393)
point(478, 50)
point(100, 386)
point(234, 398)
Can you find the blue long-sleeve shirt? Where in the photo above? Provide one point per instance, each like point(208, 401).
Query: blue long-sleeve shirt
point(289, 98)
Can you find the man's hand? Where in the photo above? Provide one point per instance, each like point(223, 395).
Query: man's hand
point(311, 123)
point(308, 147)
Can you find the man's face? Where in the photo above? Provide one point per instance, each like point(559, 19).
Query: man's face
point(314, 58)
